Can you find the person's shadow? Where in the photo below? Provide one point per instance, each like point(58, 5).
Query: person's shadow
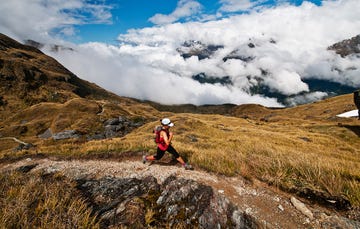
point(167, 160)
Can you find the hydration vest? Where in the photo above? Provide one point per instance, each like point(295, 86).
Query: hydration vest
point(158, 140)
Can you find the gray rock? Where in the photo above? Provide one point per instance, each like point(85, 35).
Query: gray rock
point(66, 135)
point(109, 196)
point(23, 146)
point(192, 138)
point(112, 121)
point(302, 207)
point(96, 136)
point(118, 127)
point(178, 202)
point(47, 134)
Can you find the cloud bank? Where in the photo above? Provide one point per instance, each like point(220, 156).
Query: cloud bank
point(288, 44)
point(49, 20)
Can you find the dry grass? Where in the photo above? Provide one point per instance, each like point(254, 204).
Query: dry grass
point(300, 148)
point(289, 154)
point(39, 201)
point(288, 148)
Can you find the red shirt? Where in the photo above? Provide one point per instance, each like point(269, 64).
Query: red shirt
point(162, 145)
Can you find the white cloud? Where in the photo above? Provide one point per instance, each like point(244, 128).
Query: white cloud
point(185, 8)
point(148, 61)
point(307, 98)
point(238, 5)
point(37, 19)
point(113, 68)
point(290, 44)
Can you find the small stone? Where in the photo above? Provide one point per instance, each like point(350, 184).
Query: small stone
point(301, 207)
point(248, 210)
point(281, 208)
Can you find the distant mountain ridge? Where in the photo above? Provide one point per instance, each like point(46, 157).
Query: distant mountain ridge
point(347, 47)
point(257, 83)
point(202, 51)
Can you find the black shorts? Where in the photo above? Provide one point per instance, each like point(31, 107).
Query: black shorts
point(160, 153)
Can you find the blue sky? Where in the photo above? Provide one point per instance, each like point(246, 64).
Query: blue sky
point(126, 14)
point(130, 47)
point(135, 14)
point(81, 21)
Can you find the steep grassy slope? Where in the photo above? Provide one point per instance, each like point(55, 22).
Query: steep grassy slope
point(38, 93)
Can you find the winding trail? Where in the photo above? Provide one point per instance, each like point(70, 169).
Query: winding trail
point(15, 139)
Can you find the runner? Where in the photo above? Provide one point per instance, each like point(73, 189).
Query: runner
point(163, 140)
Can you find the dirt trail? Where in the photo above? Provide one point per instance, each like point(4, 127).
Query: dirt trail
point(271, 207)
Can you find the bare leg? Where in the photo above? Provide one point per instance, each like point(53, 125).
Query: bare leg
point(179, 159)
point(150, 158)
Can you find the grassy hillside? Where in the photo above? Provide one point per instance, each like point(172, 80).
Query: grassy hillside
point(37, 93)
point(304, 149)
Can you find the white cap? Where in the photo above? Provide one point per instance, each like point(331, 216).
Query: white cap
point(166, 122)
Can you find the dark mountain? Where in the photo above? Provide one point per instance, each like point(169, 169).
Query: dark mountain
point(196, 48)
point(203, 78)
point(258, 86)
point(347, 47)
point(223, 109)
point(238, 55)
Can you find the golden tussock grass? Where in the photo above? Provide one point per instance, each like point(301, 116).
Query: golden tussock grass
point(322, 157)
point(42, 201)
point(289, 148)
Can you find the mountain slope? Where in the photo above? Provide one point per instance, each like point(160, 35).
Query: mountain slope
point(32, 77)
point(304, 150)
point(347, 47)
point(37, 93)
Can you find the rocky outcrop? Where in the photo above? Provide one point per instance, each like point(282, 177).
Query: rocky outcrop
point(203, 78)
point(238, 55)
point(117, 127)
point(66, 135)
point(197, 48)
point(347, 47)
point(114, 127)
point(177, 202)
point(130, 194)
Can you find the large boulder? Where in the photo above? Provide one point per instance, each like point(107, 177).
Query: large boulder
point(177, 202)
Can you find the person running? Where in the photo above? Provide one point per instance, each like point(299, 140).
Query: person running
point(163, 142)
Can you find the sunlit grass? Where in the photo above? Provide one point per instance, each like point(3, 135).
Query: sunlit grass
point(290, 153)
point(40, 201)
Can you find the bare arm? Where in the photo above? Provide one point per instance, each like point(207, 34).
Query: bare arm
point(167, 139)
point(170, 136)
